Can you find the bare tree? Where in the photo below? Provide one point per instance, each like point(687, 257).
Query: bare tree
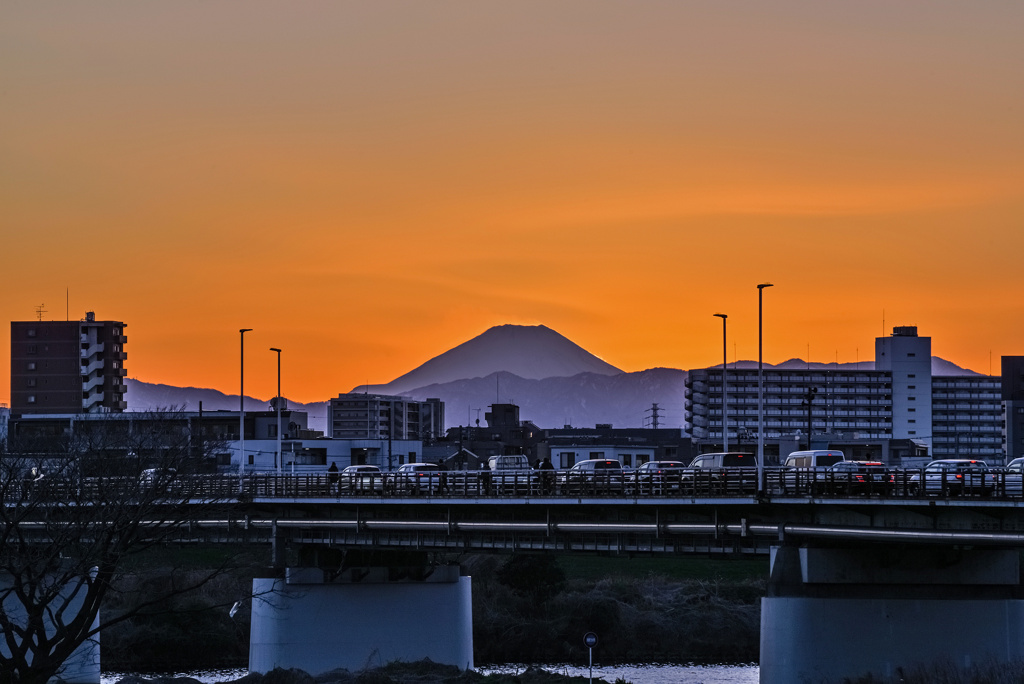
point(76, 505)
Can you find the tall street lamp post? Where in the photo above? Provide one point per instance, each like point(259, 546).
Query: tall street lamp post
point(241, 407)
point(760, 386)
point(278, 457)
point(725, 386)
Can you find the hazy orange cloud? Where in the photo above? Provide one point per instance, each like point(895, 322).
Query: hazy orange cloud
point(369, 185)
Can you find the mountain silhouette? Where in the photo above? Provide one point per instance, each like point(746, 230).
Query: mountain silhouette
point(554, 381)
point(531, 352)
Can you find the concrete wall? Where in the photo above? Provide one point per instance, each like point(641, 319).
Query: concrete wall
point(836, 614)
point(352, 625)
point(831, 640)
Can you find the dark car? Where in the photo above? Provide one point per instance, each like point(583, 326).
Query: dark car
point(854, 477)
point(657, 477)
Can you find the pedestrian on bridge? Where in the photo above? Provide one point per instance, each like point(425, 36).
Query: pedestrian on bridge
point(332, 478)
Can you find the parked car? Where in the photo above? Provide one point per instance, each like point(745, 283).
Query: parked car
point(657, 477)
point(594, 476)
point(512, 474)
point(819, 458)
point(418, 478)
point(729, 473)
point(855, 477)
point(1012, 478)
point(361, 479)
point(954, 477)
point(157, 477)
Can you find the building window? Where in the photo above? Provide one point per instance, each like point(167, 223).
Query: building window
point(912, 410)
point(31, 382)
point(31, 398)
point(251, 457)
point(31, 332)
point(31, 349)
point(627, 459)
point(911, 398)
point(596, 454)
point(911, 354)
point(911, 375)
point(31, 365)
point(912, 432)
point(912, 421)
point(911, 386)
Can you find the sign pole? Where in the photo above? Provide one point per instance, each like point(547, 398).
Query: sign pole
point(590, 640)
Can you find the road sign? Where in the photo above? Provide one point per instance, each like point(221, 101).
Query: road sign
point(590, 639)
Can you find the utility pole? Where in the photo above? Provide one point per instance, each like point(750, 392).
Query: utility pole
point(808, 400)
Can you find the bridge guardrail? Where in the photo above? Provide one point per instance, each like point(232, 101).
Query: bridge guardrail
point(896, 483)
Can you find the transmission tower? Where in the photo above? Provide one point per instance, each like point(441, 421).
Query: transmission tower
point(654, 415)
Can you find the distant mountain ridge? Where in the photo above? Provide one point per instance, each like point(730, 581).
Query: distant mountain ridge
point(554, 381)
point(531, 352)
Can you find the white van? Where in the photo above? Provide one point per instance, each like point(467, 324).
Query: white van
point(821, 458)
point(512, 474)
point(725, 459)
point(729, 473)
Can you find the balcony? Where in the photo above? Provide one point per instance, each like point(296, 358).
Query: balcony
point(92, 350)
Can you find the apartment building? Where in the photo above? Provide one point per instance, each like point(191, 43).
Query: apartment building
point(378, 416)
point(68, 367)
point(895, 399)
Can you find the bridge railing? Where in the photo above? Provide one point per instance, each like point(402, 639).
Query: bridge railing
point(898, 483)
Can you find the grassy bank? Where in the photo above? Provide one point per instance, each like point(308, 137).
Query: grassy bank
point(531, 609)
point(537, 609)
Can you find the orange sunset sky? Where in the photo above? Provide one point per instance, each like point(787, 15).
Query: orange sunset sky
point(368, 184)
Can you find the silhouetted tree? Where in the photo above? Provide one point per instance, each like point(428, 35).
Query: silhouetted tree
point(74, 507)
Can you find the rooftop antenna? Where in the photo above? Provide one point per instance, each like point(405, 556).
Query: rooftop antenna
point(67, 303)
point(40, 311)
point(883, 322)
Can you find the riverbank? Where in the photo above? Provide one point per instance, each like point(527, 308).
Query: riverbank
point(423, 672)
point(526, 609)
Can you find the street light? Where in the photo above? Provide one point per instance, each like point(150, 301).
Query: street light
point(278, 457)
point(725, 386)
point(241, 407)
point(760, 385)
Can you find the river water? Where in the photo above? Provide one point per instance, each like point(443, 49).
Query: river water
point(637, 674)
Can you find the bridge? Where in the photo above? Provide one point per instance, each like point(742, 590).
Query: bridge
point(884, 573)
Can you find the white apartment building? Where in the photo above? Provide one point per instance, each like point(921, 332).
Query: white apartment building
point(897, 399)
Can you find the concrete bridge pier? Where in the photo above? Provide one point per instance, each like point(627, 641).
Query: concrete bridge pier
point(835, 613)
point(317, 619)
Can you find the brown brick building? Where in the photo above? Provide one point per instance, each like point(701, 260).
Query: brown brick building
point(68, 366)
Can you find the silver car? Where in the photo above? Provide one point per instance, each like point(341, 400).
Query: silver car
point(954, 477)
point(361, 479)
point(418, 478)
